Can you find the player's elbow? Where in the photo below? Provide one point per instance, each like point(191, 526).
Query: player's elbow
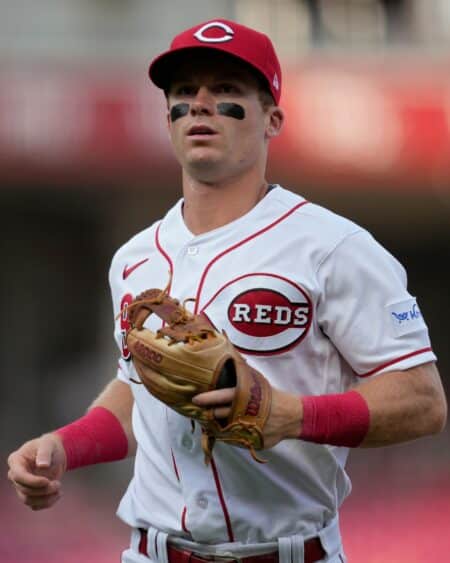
point(438, 418)
point(435, 411)
point(431, 400)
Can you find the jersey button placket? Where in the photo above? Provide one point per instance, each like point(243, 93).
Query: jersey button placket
point(202, 501)
point(187, 442)
point(192, 250)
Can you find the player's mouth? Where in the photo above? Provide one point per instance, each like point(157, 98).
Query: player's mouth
point(201, 131)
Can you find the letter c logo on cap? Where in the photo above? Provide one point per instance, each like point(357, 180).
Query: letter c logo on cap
point(223, 26)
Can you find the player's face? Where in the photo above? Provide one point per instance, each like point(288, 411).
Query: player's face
point(217, 123)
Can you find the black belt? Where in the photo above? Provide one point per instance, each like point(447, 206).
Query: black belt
point(313, 552)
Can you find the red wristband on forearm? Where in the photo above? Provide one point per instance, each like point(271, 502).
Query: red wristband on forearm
point(96, 437)
point(338, 420)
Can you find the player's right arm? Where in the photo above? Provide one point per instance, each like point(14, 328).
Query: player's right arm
point(36, 468)
point(103, 434)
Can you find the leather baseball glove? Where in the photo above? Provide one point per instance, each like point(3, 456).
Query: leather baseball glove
point(188, 356)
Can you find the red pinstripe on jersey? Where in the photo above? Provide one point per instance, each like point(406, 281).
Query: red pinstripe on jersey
point(166, 256)
point(183, 520)
point(392, 362)
point(222, 501)
point(175, 468)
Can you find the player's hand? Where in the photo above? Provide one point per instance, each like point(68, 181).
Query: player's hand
point(285, 417)
point(35, 470)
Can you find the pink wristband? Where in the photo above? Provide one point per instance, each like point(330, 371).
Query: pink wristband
point(339, 420)
point(96, 437)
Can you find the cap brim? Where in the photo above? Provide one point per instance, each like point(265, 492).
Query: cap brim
point(162, 68)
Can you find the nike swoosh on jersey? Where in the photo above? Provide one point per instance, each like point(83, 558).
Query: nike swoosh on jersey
point(128, 270)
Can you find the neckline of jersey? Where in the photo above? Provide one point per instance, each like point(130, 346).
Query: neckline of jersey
point(273, 188)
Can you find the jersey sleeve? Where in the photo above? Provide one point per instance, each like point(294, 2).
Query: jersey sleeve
point(365, 308)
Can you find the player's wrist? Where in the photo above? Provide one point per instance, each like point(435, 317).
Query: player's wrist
point(59, 445)
point(286, 414)
point(342, 419)
point(96, 437)
point(296, 418)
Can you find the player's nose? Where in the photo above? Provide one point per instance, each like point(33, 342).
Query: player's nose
point(204, 102)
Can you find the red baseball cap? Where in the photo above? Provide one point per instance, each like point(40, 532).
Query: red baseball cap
point(239, 41)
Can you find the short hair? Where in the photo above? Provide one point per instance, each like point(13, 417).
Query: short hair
point(265, 95)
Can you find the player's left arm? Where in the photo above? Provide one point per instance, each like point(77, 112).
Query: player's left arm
point(404, 405)
point(400, 405)
point(394, 407)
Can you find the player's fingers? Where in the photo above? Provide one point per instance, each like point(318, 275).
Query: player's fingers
point(216, 397)
point(22, 476)
point(222, 412)
point(45, 501)
point(51, 488)
point(30, 499)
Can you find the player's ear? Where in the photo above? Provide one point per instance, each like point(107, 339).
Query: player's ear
point(168, 111)
point(274, 121)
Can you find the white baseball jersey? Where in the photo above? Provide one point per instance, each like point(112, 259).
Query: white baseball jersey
point(315, 304)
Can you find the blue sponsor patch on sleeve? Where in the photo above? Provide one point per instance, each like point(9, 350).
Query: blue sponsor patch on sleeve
point(405, 317)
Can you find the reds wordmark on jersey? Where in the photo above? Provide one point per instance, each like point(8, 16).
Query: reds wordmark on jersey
point(292, 285)
point(265, 313)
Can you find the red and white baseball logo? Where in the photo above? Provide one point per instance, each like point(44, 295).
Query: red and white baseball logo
point(266, 313)
point(221, 33)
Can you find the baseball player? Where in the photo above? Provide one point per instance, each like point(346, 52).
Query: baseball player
point(309, 298)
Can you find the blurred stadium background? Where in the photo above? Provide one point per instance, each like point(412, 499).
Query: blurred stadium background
point(85, 163)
